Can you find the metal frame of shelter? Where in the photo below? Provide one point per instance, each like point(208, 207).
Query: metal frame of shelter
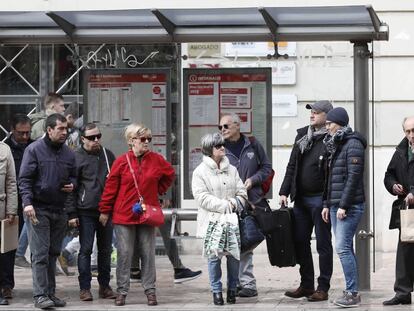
point(359, 25)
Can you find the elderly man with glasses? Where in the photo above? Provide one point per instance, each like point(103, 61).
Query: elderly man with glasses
point(253, 165)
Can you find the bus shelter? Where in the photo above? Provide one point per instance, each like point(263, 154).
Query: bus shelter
point(73, 30)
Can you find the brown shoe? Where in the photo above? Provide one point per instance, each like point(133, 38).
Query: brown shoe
point(85, 295)
point(7, 293)
point(106, 292)
point(152, 299)
point(300, 292)
point(120, 300)
point(319, 295)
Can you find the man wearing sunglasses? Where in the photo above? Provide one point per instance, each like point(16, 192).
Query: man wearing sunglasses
point(253, 165)
point(93, 164)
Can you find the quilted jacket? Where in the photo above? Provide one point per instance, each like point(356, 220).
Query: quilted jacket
point(345, 182)
point(213, 188)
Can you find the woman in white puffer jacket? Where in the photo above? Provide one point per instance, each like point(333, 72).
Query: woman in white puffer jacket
point(215, 185)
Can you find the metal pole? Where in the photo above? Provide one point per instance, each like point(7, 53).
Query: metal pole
point(361, 114)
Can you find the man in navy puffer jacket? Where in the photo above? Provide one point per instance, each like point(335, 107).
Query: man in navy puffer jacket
point(344, 195)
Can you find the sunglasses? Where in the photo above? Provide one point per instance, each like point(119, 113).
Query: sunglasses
point(93, 137)
point(226, 126)
point(143, 139)
point(219, 146)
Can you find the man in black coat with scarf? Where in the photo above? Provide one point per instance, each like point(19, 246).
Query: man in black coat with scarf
point(304, 182)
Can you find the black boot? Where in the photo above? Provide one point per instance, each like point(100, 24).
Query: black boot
point(218, 299)
point(231, 296)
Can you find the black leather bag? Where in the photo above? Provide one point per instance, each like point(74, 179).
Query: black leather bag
point(250, 233)
point(265, 218)
point(395, 221)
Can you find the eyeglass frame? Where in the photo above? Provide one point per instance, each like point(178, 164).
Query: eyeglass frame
point(93, 137)
point(225, 126)
point(143, 139)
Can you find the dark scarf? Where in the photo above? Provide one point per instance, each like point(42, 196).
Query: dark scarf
point(305, 143)
point(332, 142)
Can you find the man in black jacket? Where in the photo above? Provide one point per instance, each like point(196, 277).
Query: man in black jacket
point(47, 175)
point(399, 181)
point(18, 140)
point(93, 164)
point(304, 182)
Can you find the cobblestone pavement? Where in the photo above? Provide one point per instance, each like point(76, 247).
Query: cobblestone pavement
point(195, 295)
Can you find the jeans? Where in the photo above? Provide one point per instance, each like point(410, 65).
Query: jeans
point(45, 240)
point(126, 235)
point(307, 213)
point(89, 225)
point(23, 242)
point(344, 231)
point(214, 273)
point(246, 277)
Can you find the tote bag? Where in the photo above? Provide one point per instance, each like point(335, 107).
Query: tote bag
point(223, 236)
point(407, 225)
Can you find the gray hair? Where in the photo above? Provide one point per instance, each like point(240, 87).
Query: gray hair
point(234, 116)
point(208, 142)
point(405, 119)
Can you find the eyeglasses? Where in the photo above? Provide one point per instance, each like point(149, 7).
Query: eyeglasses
point(143, 139)
point(225, 126)
point(93, 137)
point(219, 146)
point(22, 133)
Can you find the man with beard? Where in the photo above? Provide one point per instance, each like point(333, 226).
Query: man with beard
point(304, 181)
point(93, 164)
point(47, 176)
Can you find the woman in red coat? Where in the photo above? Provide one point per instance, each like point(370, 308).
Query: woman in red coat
point(154, 175)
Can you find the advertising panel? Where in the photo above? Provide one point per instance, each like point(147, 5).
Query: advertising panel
point(118, 97)
point(209, 93)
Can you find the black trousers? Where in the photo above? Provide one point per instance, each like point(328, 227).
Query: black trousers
point(7, 269)
point(307, 213)
point(404, 269)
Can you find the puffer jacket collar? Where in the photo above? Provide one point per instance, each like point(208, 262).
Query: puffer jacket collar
point(212, 165)
point(351, 134)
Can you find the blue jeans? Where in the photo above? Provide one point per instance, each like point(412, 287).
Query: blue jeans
point(344, 231)
point(88, 226)
point(214, 273)
point(307, 213)
point(23, 242)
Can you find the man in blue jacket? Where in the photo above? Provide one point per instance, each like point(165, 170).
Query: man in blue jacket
point(254, 167)
point(47, 175)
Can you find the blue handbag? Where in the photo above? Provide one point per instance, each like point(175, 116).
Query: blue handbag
point(250, 234)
